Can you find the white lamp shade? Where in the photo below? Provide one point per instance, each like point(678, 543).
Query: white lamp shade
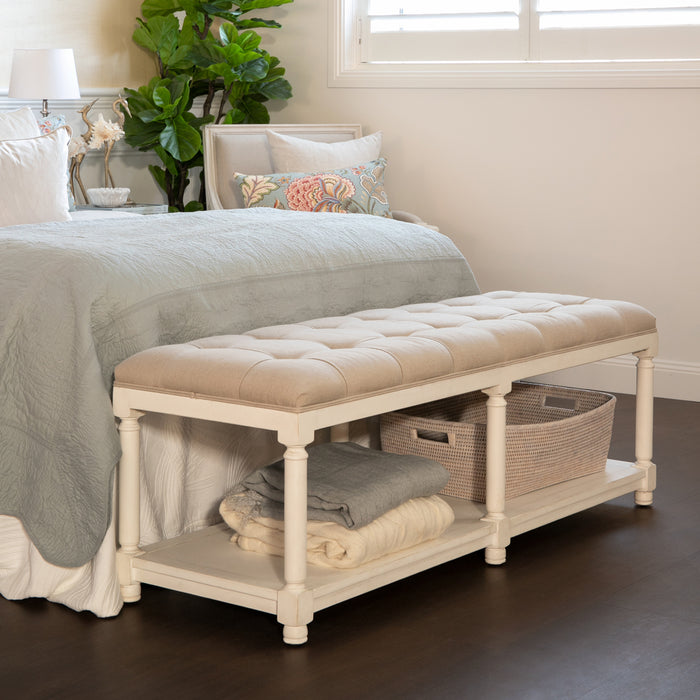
point(44, 74)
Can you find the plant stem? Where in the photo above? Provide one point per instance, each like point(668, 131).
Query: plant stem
point(224, 99)
point(211, 91)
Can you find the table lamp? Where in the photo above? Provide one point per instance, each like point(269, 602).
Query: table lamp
point(44, 74)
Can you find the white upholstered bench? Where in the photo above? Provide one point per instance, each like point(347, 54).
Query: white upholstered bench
point(297, 378)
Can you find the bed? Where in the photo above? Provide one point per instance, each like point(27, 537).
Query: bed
point(79, 296)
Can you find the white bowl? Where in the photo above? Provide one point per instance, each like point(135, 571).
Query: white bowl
point(108, 196)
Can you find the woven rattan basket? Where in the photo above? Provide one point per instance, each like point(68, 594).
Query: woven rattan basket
point(552, 434)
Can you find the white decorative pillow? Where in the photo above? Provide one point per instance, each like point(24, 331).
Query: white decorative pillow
point(33, 179)
point(291, 154)
point(19, 124)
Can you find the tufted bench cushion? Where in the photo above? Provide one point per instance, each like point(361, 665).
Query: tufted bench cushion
point(328, 360)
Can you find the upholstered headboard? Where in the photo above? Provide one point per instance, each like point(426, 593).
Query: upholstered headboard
point(243, 148)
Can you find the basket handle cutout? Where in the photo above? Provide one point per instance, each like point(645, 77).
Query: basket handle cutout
point(563, 402)
point(433, 436)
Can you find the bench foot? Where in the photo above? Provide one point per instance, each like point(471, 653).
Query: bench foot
point(644, 498)
point(295, 635)
point(495, 556)
point(131, 593)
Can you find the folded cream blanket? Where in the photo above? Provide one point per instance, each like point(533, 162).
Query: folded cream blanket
point(332, 545)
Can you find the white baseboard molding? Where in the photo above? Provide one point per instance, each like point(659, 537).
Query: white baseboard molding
point(672, 380)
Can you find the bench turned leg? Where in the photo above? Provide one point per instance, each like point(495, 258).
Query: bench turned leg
point(129, 507)
point(294, 602)
point(496, 472)
point(644, 427)
point(340, 433)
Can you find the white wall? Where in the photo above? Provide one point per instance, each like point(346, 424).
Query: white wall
point(98, 31)
point(584, 191)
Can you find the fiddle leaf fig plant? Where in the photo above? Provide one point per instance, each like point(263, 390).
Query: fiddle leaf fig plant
point(211, 69)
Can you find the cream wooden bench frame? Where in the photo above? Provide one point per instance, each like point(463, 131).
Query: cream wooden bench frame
point(205, 563)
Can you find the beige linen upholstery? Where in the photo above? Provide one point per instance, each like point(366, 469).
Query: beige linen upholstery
point(329, 360)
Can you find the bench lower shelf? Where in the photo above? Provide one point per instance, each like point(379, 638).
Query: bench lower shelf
point(207, 564)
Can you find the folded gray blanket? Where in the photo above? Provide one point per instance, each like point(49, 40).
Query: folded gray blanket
point(350, 484)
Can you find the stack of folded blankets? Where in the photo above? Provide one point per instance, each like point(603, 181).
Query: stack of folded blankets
point(362, 504)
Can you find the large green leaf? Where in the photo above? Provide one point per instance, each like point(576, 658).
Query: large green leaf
point(148, 116)
point(180, 60)
point(141, 135)
point(159, 175)
point(253, 71)
point(212, 7)
point(197, 122)
point(153, 8)
point(162, 97)
point(248, 5)
point(204, 53)
point(278, 89)
point(237, 55)
point(179, 88)
point(256, 22)
point(255, 112)
point(137, 101)
point(159, 35)
point(143, 37)
point(228, 34)
point(180, 139)
point(167, 160)
point(249, 40)
point(234, 116)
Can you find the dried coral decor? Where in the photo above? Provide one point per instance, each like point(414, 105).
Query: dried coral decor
point(248, 380)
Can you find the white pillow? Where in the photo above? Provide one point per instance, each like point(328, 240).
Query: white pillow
point(33, 179)
point(19, 124)
point(291, 154)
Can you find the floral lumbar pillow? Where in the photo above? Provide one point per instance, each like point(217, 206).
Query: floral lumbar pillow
point(358, 189)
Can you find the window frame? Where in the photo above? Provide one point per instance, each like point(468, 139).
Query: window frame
point(345, 68)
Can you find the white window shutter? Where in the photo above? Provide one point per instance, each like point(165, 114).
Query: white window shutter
point(443, 31)
point(616, 30)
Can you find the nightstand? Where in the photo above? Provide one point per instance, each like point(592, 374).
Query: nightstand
point(131, 208)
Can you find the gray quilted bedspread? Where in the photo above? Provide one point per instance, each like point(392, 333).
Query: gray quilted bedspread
point(76, 298)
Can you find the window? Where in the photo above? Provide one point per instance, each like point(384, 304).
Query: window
point(411, 31)
point(613, 30)
point(517, 39)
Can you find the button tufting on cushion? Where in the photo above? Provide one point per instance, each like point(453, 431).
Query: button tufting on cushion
point(332, 359)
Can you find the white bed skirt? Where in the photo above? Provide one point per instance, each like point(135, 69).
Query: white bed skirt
point(188, 468)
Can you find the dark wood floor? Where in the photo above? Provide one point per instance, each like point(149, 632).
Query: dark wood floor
point(604, 604)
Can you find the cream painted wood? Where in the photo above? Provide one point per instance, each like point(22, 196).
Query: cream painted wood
point(644, 426)
point(128, 503)
point(496, 472)
point(340, 433)
point(294, 602)
point(206, 564)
